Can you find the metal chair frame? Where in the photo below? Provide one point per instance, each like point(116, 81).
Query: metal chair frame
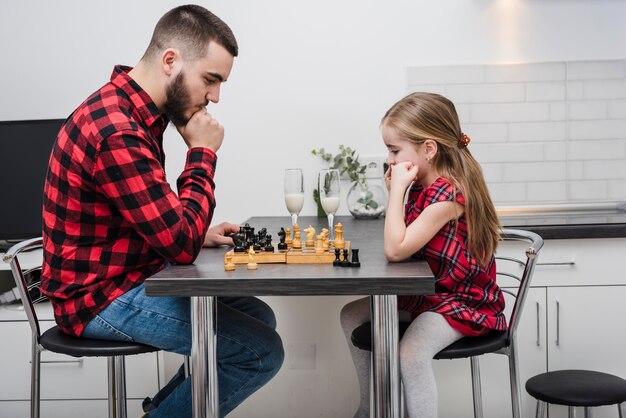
point(536, 243)
point(510, 347)
point(115, 364)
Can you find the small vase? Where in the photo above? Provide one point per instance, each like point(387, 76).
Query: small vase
point(367, 198)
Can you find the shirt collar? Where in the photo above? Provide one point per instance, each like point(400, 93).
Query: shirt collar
point(143, 102)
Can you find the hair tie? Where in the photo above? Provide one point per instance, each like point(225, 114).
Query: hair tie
point(464, 140)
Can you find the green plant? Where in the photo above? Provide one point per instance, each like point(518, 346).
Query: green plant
point(347, 162)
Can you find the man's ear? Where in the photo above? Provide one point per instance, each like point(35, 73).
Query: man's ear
point(170, 58)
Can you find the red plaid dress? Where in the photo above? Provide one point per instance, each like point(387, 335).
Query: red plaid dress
point(465, 293)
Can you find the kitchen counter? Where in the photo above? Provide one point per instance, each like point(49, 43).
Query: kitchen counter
point(567, 223)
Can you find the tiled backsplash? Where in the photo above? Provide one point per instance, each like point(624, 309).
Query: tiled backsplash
point(544, 133)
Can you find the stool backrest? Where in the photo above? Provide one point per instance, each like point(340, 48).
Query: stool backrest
point(27, 281)
point(528, 266)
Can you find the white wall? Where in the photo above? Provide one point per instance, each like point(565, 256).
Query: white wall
point(309, 75)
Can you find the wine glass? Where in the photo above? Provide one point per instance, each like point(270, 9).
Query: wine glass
point(328, 186)
point(294, 192)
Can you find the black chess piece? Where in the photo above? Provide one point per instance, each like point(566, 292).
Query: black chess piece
point(337, 261)
point(282, 246)
point(355, 258)
point(249, 231)
point(257, 242)
point(268, 244)
point(346, 261)
point(239, 239)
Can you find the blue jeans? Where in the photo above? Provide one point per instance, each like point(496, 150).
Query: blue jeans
point(249, 351)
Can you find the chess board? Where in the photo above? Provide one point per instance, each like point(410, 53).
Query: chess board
point(306, 255)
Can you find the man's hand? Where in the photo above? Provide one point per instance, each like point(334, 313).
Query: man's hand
point(202, 131)
point(217, 235)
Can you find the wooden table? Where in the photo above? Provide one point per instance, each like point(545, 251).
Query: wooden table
point(206, 279)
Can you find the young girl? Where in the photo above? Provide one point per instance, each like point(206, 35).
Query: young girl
point(449, 219)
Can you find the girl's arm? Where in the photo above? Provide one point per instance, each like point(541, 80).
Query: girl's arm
point(402, 242)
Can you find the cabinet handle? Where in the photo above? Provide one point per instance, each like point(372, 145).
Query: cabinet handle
point(558, 263)
point(558, 321)
point(79, 361)
point(538, 334)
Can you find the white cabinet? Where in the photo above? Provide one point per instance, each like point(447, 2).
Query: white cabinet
point(571, 319)
point(67, 383)
point(585, 332)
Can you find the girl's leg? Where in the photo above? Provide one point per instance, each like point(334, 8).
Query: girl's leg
point(428, 334)
point(352, 316)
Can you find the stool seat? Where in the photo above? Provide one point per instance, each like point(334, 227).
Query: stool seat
point(577, 388)
point(463, 348)
point(56, 341)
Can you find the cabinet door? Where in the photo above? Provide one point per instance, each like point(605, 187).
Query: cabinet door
point(454, 377)
point(584, 331)
point(531, 356)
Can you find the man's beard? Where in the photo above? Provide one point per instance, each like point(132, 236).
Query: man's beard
point(177, 100)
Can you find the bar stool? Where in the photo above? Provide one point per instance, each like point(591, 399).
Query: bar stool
point(577, 388)
point(497, 342)
point(27, 282)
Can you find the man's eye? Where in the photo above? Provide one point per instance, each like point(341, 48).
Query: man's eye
point(210, 82)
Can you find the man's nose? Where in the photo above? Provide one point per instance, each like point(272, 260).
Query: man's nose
point(213, 95)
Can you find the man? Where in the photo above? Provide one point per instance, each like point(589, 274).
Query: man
point(111, 219)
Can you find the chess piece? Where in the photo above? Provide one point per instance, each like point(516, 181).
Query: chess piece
point(355, 258)
point(282, 245)
point(260, 239)
point(256, 243)
point(326, 243)
point(239, 239)
point(346, 261)
point(337, 261)
point(310, 235)
point(296, 244)
point(249, 233)
point(251, 264)
point(229, 265)
point(268, 244)
point(319, 244)
point(339, 242)
point(288, 239)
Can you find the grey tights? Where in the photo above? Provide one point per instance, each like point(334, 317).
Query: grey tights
point(425, 337)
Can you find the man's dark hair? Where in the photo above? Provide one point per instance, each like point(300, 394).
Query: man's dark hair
point(190, 28)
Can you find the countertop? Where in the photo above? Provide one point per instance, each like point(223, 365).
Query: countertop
point(568, 224)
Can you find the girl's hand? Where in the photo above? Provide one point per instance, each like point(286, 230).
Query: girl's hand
point(388, 177)
point(402, 175)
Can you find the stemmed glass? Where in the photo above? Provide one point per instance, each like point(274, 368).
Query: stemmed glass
point(294, 192)
point(328, 186)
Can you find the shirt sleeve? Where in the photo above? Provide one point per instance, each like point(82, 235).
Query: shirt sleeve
point(443, 191)
point(129, 173)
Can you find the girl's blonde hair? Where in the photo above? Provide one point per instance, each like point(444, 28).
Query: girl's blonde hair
point(422, 116)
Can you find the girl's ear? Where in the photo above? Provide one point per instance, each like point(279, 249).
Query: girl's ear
point(430, 148)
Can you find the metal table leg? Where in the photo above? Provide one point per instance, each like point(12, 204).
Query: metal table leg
point(386, 367)
point(204, 390)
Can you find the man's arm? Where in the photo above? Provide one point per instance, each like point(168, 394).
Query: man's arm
point(131, 176)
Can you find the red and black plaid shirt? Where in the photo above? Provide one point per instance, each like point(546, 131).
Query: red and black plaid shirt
point(110, 219)
point(466, 294)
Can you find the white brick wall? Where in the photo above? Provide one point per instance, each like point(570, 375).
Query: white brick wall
point(543, 132)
